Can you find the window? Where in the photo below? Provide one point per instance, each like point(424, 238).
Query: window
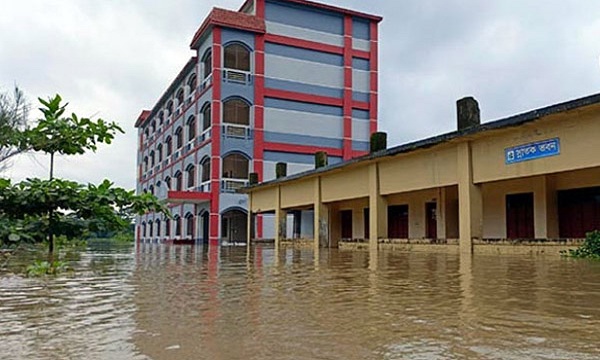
point(180, 97)
point(192, 82)
point(159, 151)
point(153, 127)
point(207, 64)
point(144, 229)
point(161, 117)
point(151, 189)
point(167, 227)
point(179, 181)
point(170, 106)
point(178, 138)
point(205, 164)
point(146, 163)
point(236, 111)
point(157, 227)
point(168, 183)
point(152, 158)
point(206, 114)
point(177, 225)
point(237, 57)
point(169, 144)
point(151, 228)
point(191, 176)
point(235, 166)
point(191, 128)
point(189, 224)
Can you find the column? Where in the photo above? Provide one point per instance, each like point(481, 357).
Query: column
point(470, 225)
point(440, 214)
point(280, 220)
point(377, 209)
point(321, 218)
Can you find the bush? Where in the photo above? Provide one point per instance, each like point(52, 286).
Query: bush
point(41, 268)
point(589, 249)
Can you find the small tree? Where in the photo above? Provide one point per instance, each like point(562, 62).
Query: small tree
point(13, 118)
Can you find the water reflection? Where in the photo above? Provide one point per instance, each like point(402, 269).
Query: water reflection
point(201, 302)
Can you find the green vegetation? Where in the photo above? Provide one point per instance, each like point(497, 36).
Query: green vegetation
point(589, 249)
point(42, 267)
point(14, 111)
point(38, 211)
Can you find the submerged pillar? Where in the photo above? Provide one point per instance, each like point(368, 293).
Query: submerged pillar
point(470, 204)
point(321, 218)
point(280, 220)
point(377, 209)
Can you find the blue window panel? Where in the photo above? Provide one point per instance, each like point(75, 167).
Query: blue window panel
point(303, 140)
point(303, 88)
point(289, 157)
point(361, 64)
point(360, 146)
point(304, 17)
point(360, 114)
point(302, 106)
point(360, 96)
point(304, 54)
point(361, 29)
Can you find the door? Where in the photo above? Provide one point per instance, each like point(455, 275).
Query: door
point(519, 216)
point(398, 221)
point(367, 224)
point(346, 224)
point(578, 212)
point(205, 218)
point(431, 220)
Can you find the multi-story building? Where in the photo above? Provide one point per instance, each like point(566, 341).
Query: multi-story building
point(276, 81)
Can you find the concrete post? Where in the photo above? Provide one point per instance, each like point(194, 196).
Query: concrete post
point(321, 218)
point(280, 220)
point(470, 225)
point(377, 209)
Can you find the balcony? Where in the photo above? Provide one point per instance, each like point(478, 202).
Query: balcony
point(232, 185)
point(204, 136)
point(177, 154)
point(204, 187)
point(237, 131)
point(237, 76)
point(189, 146)
point(166, 162)
point(205, 83)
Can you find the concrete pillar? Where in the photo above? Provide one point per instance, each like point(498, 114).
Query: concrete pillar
point(321, 218)
point(440, 214)
point(470, 202)
point(551, 208)
point(377, 209)
point(280, 220)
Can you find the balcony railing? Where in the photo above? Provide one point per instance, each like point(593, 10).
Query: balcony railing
point(204, 187)
point(237, 76)
point(177, 154)
point(189, 146)
point(206, 82)
point(237, 131)
point(232, 185)
point(166, 162)
point(204, 136)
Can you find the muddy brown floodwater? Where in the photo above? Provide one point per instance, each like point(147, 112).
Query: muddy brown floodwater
point(200, 302)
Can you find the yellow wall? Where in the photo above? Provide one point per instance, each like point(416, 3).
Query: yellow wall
point(579, 147)
point(425, 169)
point(264, 199)
point(297, 194)
point(349, 184)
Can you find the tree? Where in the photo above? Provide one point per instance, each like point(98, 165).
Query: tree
point(13, 118)
point(35, 209)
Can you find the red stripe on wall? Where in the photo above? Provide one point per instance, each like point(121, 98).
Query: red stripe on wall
point(305, 44)
point(260, 8)
point(215, 165)
point(347, 153)
point(301, 149)
point(291, 95)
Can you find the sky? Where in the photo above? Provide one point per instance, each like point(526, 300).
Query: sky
point(111, 58)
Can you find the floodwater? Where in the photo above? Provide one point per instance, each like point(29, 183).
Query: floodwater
point(196, 302)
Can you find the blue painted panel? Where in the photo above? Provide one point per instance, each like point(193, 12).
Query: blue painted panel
point(302, 106)
point(532, 151)
point(229, 144)
point(334, 160)
point(361, 29)
point(360, 114)
point(289, 157)
point(360, 146)
point(361, 96)
point(304, 17)
point(229, 89)
point(303, 140)
point(304, 54)
point(361, 64)
point(303, 88)
point(231, 35)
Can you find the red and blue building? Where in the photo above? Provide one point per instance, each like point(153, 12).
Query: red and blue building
point(276, 81)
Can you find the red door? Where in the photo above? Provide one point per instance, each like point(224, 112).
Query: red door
point(578, 212)
point(346, 224)
point(519, 216)
point(431, 220)
point(398, 222)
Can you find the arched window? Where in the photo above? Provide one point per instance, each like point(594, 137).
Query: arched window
point(235, 166)
point(145, 163)
point(178, 138)
point(177, 222)
point(189, 224)
point(151, 189)
point(170, 106)
point(153, 127)
point(168, 183)
point(178, 181)
point(207, 64)
point(169, 145)
point(237, 57)
point(152, 158)
point(146, 133)
point(192, 82)
point(160, 153)
point(206, 116)
point(180, 97)
point(191, 128)
point(151, 228)
point(191, 176)
point(161, 117)
point(144, 229)
point(167, 227)
point(205, 165)
point(158, 227)
point(236, 111)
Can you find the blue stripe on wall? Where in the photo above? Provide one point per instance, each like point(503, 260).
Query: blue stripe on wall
point(303, 140)
point(297, 158)
point(361, 29)
point(303, 88)
point(304, 54)
point(302, 106)
point(360, 96)
point(304, 17)
point(360, 114)
point(361, 64)
point(360, 146)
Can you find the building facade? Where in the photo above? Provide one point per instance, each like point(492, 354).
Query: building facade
point(276, 81)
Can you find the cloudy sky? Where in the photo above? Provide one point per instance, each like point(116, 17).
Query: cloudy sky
point(112, 58)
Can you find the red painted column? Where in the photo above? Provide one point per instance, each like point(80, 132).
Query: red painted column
point(347, 151)
point(215, 164)
point(260, 8)
point(374, 60)
point(259, 111)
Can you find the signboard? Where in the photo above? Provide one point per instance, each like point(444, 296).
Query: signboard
point(532, 151)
